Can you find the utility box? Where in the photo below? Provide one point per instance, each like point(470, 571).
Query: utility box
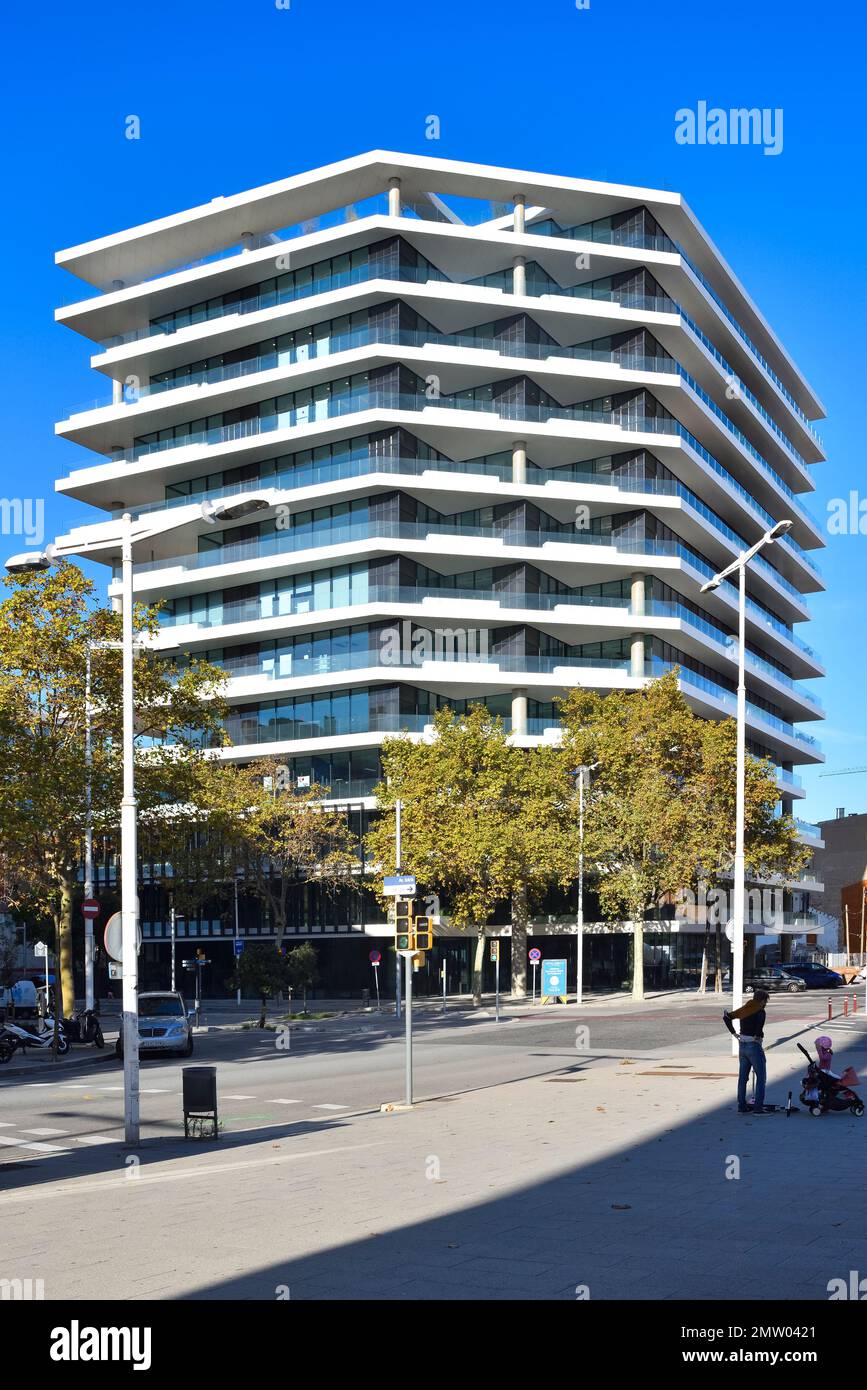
point(200, 1102)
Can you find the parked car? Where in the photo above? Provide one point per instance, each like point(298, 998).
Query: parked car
point(773, 977)
point(815, 976)
point(164, 1025)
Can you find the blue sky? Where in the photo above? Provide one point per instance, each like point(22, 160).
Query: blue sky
point(231, 95)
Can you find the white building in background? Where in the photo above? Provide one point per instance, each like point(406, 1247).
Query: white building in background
point(511, 422)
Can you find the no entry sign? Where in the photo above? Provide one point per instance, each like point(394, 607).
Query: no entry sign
point(90, 909)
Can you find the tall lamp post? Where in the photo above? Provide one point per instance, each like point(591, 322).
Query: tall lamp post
point(740, 565)
point(582, 774)
point(97, 540)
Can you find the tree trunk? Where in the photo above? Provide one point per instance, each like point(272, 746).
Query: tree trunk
point(262, 1011)
point(65, 983)
point(478, 966)
point(638, 960)
point(519, 943)
point(718, 989)
point(702, 987)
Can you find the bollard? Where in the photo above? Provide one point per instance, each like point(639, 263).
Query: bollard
point(845, 1006)
point(830, 1014)
point(854, 1003)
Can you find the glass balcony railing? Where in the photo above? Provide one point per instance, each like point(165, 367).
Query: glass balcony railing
point(304, 538)
point(589, 232)
point(315, 474)
point(287, 730)
point(268, 299)
point(330, 407)
point(729, 699)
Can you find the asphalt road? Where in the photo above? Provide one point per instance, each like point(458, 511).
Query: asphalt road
point(328, 1069)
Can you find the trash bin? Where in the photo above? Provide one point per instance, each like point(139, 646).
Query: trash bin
point(200, 1102)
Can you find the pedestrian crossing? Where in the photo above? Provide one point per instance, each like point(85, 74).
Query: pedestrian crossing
point(34, 1142)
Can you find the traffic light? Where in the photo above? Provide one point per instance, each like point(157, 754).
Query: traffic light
point(423, 934)
point(418, 960)
point(403, 933)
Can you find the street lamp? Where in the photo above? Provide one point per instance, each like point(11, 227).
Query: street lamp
point(96, 540)
point(583, 775)
point(740, 564)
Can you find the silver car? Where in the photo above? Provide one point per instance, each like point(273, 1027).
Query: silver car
point(164, 1025)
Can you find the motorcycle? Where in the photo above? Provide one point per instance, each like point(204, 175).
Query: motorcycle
point(17, 1036)
point(80, 1028)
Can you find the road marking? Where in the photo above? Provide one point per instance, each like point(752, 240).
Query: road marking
point(44, 1133)
point(97, 1139)
point(285, 1102)
point(227, 1096)
point(39, 1148)
point(155, 1091)
point(329, 1107)
point(6, 1124)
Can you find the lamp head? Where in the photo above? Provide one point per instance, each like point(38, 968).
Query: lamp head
point(30, 562)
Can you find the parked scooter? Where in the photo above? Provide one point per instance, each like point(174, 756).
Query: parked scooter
point(80, 1028)
point(20, 1037)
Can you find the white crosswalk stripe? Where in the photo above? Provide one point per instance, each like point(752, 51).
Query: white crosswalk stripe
point(227, 1096)
point(44, 1133)
point(97, 1139)
point(329, 1107)
point(285, 1102)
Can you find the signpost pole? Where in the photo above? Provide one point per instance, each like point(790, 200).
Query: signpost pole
point(238, 992)
point(443, 973)
point(497, 982)
point(397, 810)
point(174, 934)
point(376, 980)
point(408, 958)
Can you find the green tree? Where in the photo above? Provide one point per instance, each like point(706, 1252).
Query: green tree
point(302, 963)
point(483, 821)
point(47, 621)
point(275, 836)
point(659, 815)
point(262, 971)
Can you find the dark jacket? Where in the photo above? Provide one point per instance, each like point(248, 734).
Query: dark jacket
point(753, 1026)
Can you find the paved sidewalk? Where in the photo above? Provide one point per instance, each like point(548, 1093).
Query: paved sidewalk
point(616, 1177)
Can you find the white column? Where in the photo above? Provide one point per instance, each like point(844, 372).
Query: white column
point(636, 654)
point(519, 461)
point(247, 240)
point(519, 711)
point(520, 209)
point(117, 393)
point(638, 596)
point(129, 861)
point(519, 276)
point(394, 209)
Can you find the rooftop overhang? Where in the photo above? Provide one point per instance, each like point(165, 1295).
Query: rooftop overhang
point(154, 247)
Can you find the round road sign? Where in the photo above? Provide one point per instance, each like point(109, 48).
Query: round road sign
point(375, 957)
point(535, 955)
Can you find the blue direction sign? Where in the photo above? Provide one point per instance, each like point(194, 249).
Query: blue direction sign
point(399, 886)
point(239, 945)
point(553, 979)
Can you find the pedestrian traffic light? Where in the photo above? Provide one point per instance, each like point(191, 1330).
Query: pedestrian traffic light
point(418, 960)
point(403, 916)
point(423, 934)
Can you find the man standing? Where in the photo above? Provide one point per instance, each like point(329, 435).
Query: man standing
point(751, 1053)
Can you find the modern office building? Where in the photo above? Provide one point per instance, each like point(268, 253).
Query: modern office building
point(507, 425)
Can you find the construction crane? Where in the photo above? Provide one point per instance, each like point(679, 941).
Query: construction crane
point(843, 772)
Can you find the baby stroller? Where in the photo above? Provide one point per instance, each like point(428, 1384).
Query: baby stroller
point(823, 1090)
